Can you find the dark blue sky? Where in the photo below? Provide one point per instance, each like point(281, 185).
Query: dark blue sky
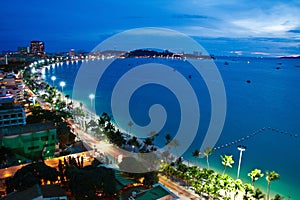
point(222, 27)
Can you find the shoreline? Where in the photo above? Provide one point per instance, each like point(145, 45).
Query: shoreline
point(95, 116)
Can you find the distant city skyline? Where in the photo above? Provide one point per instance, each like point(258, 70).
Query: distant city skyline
point(236, 27)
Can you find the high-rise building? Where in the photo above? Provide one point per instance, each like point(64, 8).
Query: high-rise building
point(37, 47)
point(14, 85)
point(11, 114)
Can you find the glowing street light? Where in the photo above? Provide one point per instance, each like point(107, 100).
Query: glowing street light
point(241, 149)
point(53, 78)
point(92, 97)
point(62, 85)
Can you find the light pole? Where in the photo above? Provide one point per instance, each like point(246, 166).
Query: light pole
point(62, 85)
point(92, 97)
point(241, 149)
point(53, 78)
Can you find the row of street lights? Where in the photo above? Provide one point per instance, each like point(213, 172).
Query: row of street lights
point(62, 84)
point(92, 97)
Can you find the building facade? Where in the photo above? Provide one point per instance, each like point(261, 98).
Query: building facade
point(37, 47)
point(11, 114)
point(31, 140)
point(14, 86)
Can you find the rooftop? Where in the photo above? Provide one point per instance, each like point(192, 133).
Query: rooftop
point(37, 192)
point(31, 193)
point(28, 128)
point(157, 192)
point(49, 191)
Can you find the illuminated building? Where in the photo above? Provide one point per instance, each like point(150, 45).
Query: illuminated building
point(10, 114)
point(37, 47)
point(32, 140)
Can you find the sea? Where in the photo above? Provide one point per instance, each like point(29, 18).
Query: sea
point(262, 108)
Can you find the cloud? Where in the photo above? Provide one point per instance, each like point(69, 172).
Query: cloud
point(189, 16)
point(274, 21)
point(294, 31)
point(239, 18)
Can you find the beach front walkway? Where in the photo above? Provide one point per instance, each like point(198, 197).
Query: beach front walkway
point(113, 152)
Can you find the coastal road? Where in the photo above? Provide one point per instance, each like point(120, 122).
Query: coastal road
point(109, 149)
point(180, 191)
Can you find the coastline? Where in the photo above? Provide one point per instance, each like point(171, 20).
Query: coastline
point(96, 116)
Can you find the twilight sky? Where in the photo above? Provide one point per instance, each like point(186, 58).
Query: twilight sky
point(270, 27)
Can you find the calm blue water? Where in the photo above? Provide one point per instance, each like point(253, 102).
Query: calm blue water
point(270, 100)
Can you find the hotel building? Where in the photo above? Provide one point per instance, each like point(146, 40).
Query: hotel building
point(37, 47)
point(10, 114)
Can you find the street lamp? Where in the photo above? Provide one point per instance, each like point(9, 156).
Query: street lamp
point(241, 149)
point(62, 85)
point(53, 78)
point(92, 96)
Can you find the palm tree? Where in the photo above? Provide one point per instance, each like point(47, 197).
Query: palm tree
point(130, 124)
point(271, 176)
point(278, 197)
point(207, 152)
point(175, 144)
point(168, 138)
point(227, 161)
point(147, 142)
point(153, 134)
point(258, 195)
point(196, 154)
point(238, 187)
point(255, 175)
point(249, 190)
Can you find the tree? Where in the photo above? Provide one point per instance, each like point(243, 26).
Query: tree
point(249, 190)
point(153, 134)
point(271, 176)
point(147, 142)
point(168, 138)
point(106, 117)
point(64, 133)
point(99, 179)
point(207, 152)
point(227, 161)
point(255, 175)
point(130, 124)
point(174, 143)
point(258, 195)
point(150, 178)
point(134, 142)
point(196, 154)
point(278, 197)
point(32, 174)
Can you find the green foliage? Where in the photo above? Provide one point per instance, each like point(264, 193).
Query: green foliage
point(96, 180)
point(278, 197)
point(64, 134)
point(271, 176)
point(32, 174)
point(150, 178)
point(255, 175)
point(227, 161)
point(207, 152)
point(168, 138)
point(258, 194)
